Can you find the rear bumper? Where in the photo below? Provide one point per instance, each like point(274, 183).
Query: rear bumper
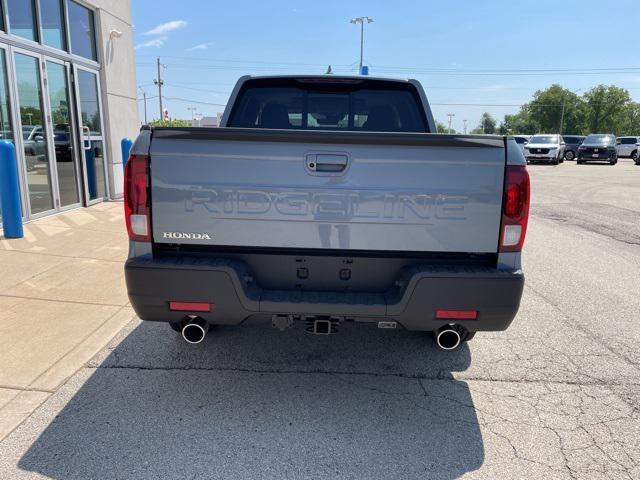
point(601, 157)
point(228, 285)
point(542, 158)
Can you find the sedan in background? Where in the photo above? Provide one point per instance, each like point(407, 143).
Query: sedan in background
point(573, 142)
point(598, 147)
point(628, 147)
point(545, 148)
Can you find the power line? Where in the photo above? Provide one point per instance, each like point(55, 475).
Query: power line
point(179, 99)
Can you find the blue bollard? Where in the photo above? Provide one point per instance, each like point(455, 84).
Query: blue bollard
point(10, 191)
point(125, 145)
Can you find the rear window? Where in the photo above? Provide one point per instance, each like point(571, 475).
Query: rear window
point(354, 106)
point(520, 140)
point(572, 139)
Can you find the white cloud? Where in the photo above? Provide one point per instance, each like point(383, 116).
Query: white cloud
point(167, 27)
point(201, 46)
point(156, 42)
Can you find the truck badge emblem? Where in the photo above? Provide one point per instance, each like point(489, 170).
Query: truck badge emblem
point(185, 236)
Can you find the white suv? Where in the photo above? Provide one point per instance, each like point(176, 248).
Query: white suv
point(628, 147)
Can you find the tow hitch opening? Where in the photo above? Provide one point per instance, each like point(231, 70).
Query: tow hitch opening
point(322, 326)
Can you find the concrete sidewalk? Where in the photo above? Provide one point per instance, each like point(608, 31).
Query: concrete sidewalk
point(62, 298)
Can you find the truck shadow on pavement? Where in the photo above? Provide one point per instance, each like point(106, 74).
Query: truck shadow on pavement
point(257, 403)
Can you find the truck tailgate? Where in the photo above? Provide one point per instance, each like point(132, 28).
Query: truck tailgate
point(327, 190)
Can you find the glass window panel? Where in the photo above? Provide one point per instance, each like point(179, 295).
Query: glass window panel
point(81, 29)
point(62, 133)
point(52, 24)
point(91, 133)
point(34, 137)
point(6, 133)
point(89, 106)
point(22, 19)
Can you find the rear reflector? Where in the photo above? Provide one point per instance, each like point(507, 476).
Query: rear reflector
point(456, 314)
point(190, 306)
point(515, 208)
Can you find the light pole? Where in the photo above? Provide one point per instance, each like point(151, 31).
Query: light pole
point(144, 96)
point(450, 115)
point(465, 126)
point(361, 21)
point(193, 112)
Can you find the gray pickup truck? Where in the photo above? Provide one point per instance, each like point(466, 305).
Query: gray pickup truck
point(323, 200)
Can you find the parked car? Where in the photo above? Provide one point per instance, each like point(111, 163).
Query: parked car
point(572, 143)
point(522, 141)
point(598, 147)
point(628, 147)
point(62, 142)
point(323, 200)
point(545, 148)
point(34, 146)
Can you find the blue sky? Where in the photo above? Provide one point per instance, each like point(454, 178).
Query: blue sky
point(206, 45)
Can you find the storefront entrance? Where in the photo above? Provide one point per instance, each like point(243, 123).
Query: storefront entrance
point(58, 133)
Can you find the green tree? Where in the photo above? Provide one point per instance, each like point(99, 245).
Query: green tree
point(606, 110)
point(174, 122)
point(487, 124)
point(442, 128)
point(631, 123)
point(552, 107)
point(519, 123)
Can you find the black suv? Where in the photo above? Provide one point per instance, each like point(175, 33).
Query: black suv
point(598, 147)
point(571, 149)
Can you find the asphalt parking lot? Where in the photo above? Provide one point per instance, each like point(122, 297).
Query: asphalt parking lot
point(555, 396)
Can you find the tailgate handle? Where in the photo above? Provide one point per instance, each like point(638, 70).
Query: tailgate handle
point(327, 163)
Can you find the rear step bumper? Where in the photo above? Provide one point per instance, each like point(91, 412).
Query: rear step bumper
point(228, 285)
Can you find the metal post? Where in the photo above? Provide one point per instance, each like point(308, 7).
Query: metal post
point(10, 192)
point(125, 148)
point(144, 95)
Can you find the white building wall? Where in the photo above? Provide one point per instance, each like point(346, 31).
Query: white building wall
point(118, 82)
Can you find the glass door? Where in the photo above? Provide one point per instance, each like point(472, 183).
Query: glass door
point(62, 131)
point(35, 140)
point(89, 114)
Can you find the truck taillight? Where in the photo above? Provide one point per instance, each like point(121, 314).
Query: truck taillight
point(515, 208)
point(137, 200)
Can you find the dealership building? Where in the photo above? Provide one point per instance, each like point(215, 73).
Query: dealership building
point(67, 98)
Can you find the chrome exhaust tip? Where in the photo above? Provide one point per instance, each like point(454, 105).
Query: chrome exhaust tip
point(448, 337)
point(195, 330)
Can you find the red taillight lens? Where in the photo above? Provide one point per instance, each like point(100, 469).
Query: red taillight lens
point(515, 209)
point(137, 200)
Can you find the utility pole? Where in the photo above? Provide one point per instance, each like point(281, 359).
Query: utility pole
point(144, 96)
point(361, 21)
point(562, 116)
point(465, 126)
point(450, 115)
point(159, 82)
